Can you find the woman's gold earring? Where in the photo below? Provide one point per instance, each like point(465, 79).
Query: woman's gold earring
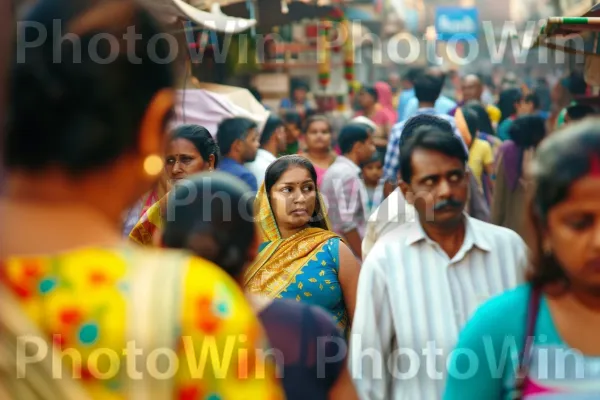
point(153, 165)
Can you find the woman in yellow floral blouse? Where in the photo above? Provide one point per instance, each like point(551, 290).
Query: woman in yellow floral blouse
point(83, 144)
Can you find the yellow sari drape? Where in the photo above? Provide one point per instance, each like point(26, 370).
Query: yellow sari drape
point(151, 222)
point(282, 259)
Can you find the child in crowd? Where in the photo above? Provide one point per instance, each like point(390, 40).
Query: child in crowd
point(292, 121)
point(372, 172)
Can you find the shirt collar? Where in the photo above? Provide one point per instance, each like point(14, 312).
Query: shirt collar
point(349, 162)
point(266, 155)
point(473, 236)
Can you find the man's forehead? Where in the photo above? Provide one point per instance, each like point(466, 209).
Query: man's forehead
point(431, 162)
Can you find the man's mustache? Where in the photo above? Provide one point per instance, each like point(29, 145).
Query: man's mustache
point(452, 203)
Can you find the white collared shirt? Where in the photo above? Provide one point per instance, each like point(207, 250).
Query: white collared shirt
point(411, 295)
point(259, 166)
point(346, 197)
point(391, 213)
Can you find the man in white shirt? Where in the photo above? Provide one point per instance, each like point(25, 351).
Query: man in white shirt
point(272, 142)
point(343, 189)
point(423, 279)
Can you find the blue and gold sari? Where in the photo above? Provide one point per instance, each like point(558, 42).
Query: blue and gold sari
point(303, 267)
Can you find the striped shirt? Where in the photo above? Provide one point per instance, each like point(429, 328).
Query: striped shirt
point(413, 299)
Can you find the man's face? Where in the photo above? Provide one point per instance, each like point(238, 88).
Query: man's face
point(471, 89)
point(281, 138)
point(250, 146)
point(525, 107)
point(365, 99)
point(438, 188)
point(366, 150)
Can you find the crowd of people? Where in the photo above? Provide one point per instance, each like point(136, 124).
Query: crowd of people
point(429, 249)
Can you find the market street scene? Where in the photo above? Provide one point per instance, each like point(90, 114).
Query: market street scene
point(299, 199)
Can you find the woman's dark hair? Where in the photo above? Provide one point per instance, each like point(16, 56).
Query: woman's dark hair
point(430, 138)
point(527, 131)
point(81, 113)
point(561, 160)
point(506, 102)
point(352, 134)
point(472, 121)
point(371, 91)
point(317, 118)
point(217, 224)
point(273, 122)
point(280, 166)
point(485, 123)
point(200, 138)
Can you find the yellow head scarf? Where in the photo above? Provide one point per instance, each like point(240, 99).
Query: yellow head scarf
point(281, 259)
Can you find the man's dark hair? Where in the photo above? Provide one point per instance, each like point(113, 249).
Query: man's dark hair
point(372, 91)
point(273, 122)
point(580, 111)
point(412, 74)
point(428, 88)
point(292, 117)
point(430, 138)
point(232, 129)
point(350, 135)
point(80, 114)
point(417, 121)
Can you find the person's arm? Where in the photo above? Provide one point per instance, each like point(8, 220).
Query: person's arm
point(488, 161)
point(354, 241)
point(348, 277)
point(372, 329)
point(499, 195)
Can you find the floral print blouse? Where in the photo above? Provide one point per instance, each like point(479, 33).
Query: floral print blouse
point(79, 300)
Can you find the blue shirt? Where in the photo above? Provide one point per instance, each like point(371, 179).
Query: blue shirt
point(443, 105)
point(403, 101)
point(495, 336)
point(236, 169)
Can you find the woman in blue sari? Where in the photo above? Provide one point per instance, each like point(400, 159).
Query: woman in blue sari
point(300, 257)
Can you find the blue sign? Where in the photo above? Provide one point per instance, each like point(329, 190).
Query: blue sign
point(456, 23)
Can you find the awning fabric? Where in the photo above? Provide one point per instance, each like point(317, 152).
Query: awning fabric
point(559, 33)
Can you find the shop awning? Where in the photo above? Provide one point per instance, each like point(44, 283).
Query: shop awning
point(271, 13)
point(575, 35)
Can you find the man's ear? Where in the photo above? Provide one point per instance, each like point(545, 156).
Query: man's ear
point(405, 188)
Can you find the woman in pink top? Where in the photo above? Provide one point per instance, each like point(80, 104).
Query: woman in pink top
point(318, 145)
point(372, 100)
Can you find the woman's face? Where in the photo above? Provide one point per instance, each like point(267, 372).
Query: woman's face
point(183, 159)
point(573, 232)
point(318, 136)
point(294, 197)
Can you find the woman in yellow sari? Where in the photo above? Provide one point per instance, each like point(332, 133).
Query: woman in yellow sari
point(191, 149)
point(300, 257)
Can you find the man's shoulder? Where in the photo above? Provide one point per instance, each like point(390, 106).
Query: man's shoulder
point(499, 235)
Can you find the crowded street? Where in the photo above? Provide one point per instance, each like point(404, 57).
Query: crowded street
point(341, 200)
